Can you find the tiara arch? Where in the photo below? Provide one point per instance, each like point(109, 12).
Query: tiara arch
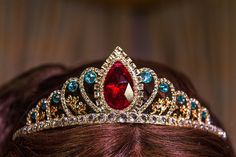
point(117, 93)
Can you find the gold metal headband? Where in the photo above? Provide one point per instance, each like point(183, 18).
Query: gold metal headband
point(118, 92)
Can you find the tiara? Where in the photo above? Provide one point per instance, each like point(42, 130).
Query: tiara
point(118, 92)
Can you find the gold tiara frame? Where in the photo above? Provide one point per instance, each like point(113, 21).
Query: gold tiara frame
point(117, 93)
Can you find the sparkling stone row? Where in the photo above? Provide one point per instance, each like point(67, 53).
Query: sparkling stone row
point(133, 118)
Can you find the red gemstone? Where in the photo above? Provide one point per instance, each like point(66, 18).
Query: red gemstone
point(118, 87)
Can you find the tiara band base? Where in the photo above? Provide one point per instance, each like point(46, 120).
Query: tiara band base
point(125, 118)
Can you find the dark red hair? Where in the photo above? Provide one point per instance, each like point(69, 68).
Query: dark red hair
point(121, 140)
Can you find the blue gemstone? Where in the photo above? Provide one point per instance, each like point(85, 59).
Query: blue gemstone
point(72, 86)
point(181, 100)
point(33, 116)
point(146, 77)
point(56, 98)
point(204, 114)
point(43, 106)
point(164, 87)
point(90, 77)
point(193, 105)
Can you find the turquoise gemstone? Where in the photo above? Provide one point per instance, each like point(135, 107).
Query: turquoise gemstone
point(164, 87)
point(56, 98)
point(204, 114)
point(33, 116)
point(193, 105)
point(146, 77)
point(43, 106)
point(90, 77)
point(181, 100)
point(73, 86)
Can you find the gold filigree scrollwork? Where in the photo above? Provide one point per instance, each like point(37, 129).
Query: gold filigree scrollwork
point(194, 114)
point(53, 111)
point(75, 105)
point(161, 105)
point(184, 111)
point(42, 116)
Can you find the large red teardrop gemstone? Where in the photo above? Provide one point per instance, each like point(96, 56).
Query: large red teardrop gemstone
point(118, 87)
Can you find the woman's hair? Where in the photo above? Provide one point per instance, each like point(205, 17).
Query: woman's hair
point(120, 140)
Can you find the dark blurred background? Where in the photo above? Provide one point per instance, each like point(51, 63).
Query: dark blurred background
point(196, 37)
